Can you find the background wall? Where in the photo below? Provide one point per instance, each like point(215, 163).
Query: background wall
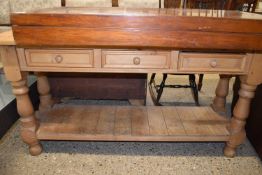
point(7, 6)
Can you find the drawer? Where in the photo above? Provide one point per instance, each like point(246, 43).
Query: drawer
point(205, 62)
point(135, 59)
point(59, 58)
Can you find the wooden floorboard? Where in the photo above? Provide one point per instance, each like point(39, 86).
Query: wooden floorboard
point(156, 121)
point(189, 121)
point(123, 121)
point(89, 120)
point(106, 121)
point(139, 121)
point(132, 123)
point(219, 123)
point(203, 121)
point(173, 121)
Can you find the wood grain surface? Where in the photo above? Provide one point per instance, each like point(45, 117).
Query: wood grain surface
point(139, 28)
point(7, 38)
point(127, 123)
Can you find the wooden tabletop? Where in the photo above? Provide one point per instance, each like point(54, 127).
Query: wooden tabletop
point(7, 38)
point(119, 11)
point(139, 28)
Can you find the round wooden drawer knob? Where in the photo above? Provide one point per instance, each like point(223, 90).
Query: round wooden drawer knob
point(58, 58)
point(136, 60)
point(213, 63)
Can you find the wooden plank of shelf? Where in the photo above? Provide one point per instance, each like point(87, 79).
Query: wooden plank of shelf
point(123, 121)
point(131, 123)
point(106, 121)
point(202, 116)
point(173, 121)
point(156, 121)
point(139, 121)
point(190, 122)
point(90, 118)
point(219, 122)
point(7, 38)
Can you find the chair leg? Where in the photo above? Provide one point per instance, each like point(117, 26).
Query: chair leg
point(161, 88)
point(194, 90)
point(152, 78)
point(151, 86)
point(200, 82)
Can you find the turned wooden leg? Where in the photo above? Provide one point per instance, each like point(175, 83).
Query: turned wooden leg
point(28, 120)
point(219, 101)
point(43, 88)
point(238, 121)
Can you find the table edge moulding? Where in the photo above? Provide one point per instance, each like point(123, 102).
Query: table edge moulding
point(120, 40)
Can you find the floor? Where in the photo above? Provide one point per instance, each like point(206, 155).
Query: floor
point(5, 92)
point(103, 158)
point(6, 95)
point(5, 89)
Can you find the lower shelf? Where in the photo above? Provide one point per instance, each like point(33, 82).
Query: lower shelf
point(130, 123)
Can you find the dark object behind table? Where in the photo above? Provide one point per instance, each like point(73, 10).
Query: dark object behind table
point(254, 121)
point(99, 86)
point(8, 115)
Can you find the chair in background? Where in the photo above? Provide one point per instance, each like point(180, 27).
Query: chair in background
point(156, 91)
point(243, 5)
point(139, 4)
point(206, 4)
point(88, 3)
point(196, 4)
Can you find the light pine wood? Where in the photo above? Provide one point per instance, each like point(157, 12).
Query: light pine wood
point(89, 120)
point(139, 121)
point(136, 102)
point(10, 63)
point(219, 102)
point(156, 121)
point(43, 88)
point(210, 62)
point(129, 61)
point(28, 120)
point(106, 121)
point(7, 38)
point(59, 58)
point(190, 122)
point(202, 116)
point(97, 58)
point(21, 58)
point(135, 59)
point(130, 123)
point(121, 40)
point(120, 70)
point(174, 60)
point(218, 122)
point(173, 122)
point(123, 121)
point(254, 77)
point(20, 90)
point(238, 121)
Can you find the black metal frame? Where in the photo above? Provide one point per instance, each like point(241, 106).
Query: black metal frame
point(153, 87)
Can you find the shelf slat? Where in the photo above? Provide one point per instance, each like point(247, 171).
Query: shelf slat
point(130, 123)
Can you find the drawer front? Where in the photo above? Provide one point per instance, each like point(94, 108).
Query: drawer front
point(59, 58)
point(189, 62)
point(135, 59)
